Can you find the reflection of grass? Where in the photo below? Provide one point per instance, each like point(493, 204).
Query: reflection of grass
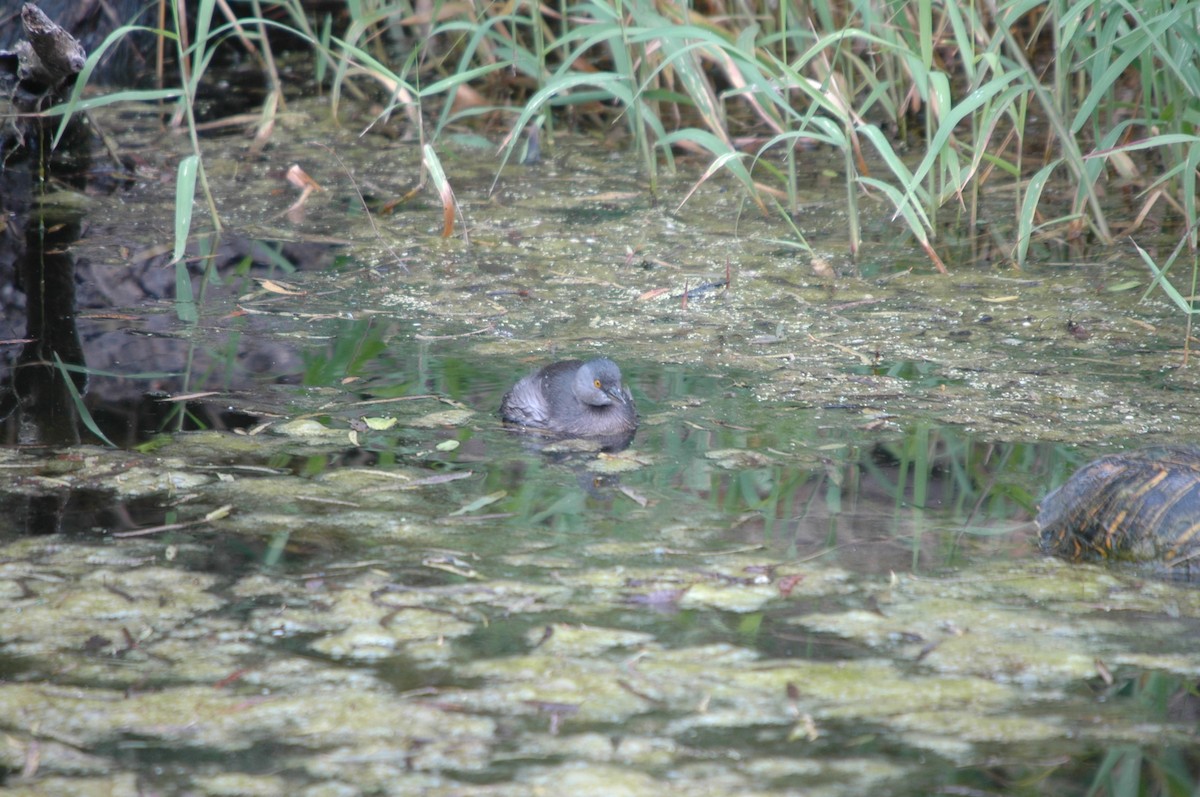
point(928, 489)
point(1135, 770)
point(1184, 303)
point(931, 481)
point(81, 409)
point(355, 345)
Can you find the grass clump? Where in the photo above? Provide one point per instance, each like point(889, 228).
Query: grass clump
point(929, 106)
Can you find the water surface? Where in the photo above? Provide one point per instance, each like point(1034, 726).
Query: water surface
point(318, 563)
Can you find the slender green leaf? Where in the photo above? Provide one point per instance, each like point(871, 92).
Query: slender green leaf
point(1161, 281)
point(80, 407)
point(185, 196)
point(1029, 206)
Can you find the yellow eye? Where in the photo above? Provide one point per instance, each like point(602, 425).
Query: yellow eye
point(596, 382)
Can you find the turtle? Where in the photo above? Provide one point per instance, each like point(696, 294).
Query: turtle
point(1141, 506)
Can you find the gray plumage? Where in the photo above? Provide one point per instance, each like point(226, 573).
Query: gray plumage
point(575, 398)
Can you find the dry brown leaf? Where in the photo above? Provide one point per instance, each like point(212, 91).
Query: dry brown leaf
point(272, 286)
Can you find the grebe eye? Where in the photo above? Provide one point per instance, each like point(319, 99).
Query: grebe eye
point(596, 382)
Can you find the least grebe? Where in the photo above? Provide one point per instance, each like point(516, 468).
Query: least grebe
point(572, 397)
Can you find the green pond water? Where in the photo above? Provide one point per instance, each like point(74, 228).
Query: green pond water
point(813, 572)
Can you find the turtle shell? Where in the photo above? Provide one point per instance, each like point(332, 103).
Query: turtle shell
point(1139, 505)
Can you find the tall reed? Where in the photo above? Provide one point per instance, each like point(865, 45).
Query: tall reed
point(929, 108)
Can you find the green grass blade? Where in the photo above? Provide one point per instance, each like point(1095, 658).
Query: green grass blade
point(1029, 206)
point(185, 197)
point(1160, 279)
point(74, 103)
point(556, 87)
point(80, 406)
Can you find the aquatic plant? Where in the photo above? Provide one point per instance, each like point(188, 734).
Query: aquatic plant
point(924, 104)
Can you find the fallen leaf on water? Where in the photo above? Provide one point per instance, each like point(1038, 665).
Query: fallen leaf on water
point(611, 196)
point(1127, 285)
point(273, 286)
point(637, 498)
point(653, 293)
point(299, 178)
point(219, 513)
point(821, 268)
point(480, 503)
point(443, 418)
point(450, 564)
point(788, 583)
point(441, 478)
